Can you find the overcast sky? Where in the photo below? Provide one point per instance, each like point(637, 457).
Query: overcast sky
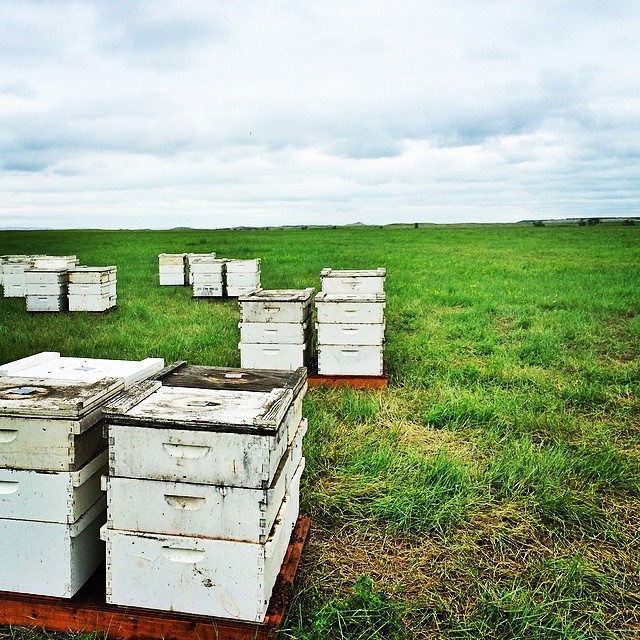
point(220, 113)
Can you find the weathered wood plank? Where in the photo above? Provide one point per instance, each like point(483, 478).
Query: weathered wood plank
point(54, 398)
point(179, 374)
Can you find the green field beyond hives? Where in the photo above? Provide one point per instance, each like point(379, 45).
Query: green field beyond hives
point(493, 489)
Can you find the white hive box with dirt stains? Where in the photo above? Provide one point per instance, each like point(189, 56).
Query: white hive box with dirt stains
point(52, 457)
point(207, 274)
point(51, 446)
point(217, 453)
point(192, 258)
point(45, 289)
point(172, 269)
point(13, 280)
point(92, 288)
point(275, 331)
point(350, 322)
point(242, 276)
point(353, 280)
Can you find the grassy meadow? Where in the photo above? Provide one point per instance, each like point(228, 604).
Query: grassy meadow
point(493, 489)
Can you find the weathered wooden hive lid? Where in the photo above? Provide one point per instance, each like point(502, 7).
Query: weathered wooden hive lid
point(50, 365)
point(51, 398)
point(325, 296)
point(278, 295)
point(181, 374)
point(380, 272)
point(151, 404)
point(87, 269)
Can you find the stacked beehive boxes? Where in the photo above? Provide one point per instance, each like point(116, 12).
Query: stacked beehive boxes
point(242, 276)
point(92, 288)
point(203, 490)
point(275, 328)
point(192, 257)
point(45, 289)
point(13, 278)
point(350, 322)
point(52, 456)
point(207, 275)
point(172, 268)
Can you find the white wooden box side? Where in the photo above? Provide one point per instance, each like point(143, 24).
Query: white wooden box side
point(51, 559)
point(60, 496)
point(48, 445)
point(275, 332)
point(350, 334)
point(222, 578)
point(287, 357)
point(350, 360)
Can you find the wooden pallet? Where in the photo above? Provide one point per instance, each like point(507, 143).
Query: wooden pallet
point(87, 611)
point(314, 379)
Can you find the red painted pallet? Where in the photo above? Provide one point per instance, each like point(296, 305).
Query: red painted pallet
point(87, 611)
point(314, 379)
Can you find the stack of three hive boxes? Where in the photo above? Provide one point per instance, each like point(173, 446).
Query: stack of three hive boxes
point(202, 481)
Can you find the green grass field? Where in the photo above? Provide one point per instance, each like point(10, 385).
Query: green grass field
point(493, 489)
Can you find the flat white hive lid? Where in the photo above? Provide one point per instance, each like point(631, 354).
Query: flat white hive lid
point(50, 365)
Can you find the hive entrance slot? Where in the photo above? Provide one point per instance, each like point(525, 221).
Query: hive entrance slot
point(203, 403)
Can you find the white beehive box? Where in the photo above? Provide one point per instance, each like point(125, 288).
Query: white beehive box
point(240, 284)
point(172, 259)
point(172, 276)
point(276, 305)
point(208, 266)
point(14, 278)
point(35, 278)
point(46, 303)
point(92, 275)
point(364, 360)
point(172, 268)
point(274, 332)
point(54, 262)
point(203, 510)
point(208, 436)
point(238, 266)
point(49, 364)
point(61, 497)
point(51, 424)
point(195, 258)
point(353, 281)
point(350, 334)
point(343, 308)
point(224, 578)
point(274, 356)
point(50, 558)
point(102, 290)
point(91, 303)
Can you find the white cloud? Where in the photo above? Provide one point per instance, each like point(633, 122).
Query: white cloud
point(215, 113)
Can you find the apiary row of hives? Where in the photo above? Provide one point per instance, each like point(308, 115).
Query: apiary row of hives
point(201, 467)
point(58, 283)
point(276, 325)
point(209, 276)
